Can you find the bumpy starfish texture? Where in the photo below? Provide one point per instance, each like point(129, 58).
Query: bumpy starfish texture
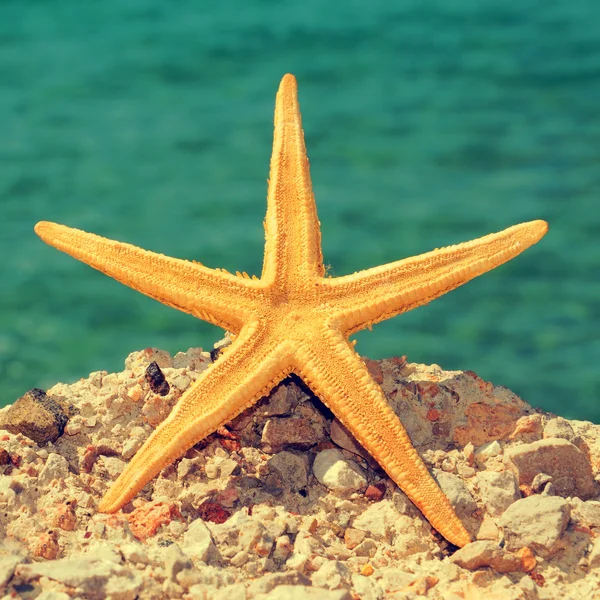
point(292, 320)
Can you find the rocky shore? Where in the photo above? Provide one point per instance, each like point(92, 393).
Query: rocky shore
point(282, 503)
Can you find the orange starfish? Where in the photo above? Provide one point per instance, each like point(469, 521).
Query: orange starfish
point(292, 319)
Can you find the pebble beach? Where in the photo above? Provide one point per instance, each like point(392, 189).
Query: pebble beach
point(283, 503)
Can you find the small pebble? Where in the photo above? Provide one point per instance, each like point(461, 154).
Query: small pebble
point(156, 379)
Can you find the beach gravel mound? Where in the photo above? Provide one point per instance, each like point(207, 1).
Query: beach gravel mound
point(283, 503)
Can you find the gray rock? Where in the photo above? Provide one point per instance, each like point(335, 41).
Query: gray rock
point(175, 561)
point(283, 548)
point(103, 550)
point(305, 545)
point(335, 472)
point(134, 552)
point(586, 513)
point(295, 432)
point(353, 537)
point(395, 579)
point(559, 428)
point(366, 548)
point(459, 496)
point(210, 579)
point(145, 357)
point(280, 401)
point(537, 522)
point(365, 588)
point(594, 555)
point(239, 559)
point(378, 521)
point(540, 483)
point(498, 490)
point(198, 543)
point(299, 592)
point(237, 591)
point(114, 466)
point(53, 595)
point(273, 581)
point(239, 533)
point(194, 358)
point(529, 588)
point(344, 439)
point(485, 553)
point(93, 578)
point(569, 468)
point(290, 469)
point(332, 575)
point(488, 450)
point(8, 565)
point(56, 467)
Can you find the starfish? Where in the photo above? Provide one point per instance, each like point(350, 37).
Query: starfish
point(293, 319)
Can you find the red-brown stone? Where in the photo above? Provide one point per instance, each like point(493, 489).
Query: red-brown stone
point(145, 520)
point(213, 512)
point(375, 492)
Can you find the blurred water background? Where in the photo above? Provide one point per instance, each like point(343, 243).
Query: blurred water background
point(427, 124)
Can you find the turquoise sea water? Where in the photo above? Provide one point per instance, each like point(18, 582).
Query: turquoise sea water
point(426, 123)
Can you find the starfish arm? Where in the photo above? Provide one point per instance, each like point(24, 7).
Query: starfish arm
point(217, 297)
point(376, 294)
point(248, 370)
point(293, 235)
point(339, 377)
